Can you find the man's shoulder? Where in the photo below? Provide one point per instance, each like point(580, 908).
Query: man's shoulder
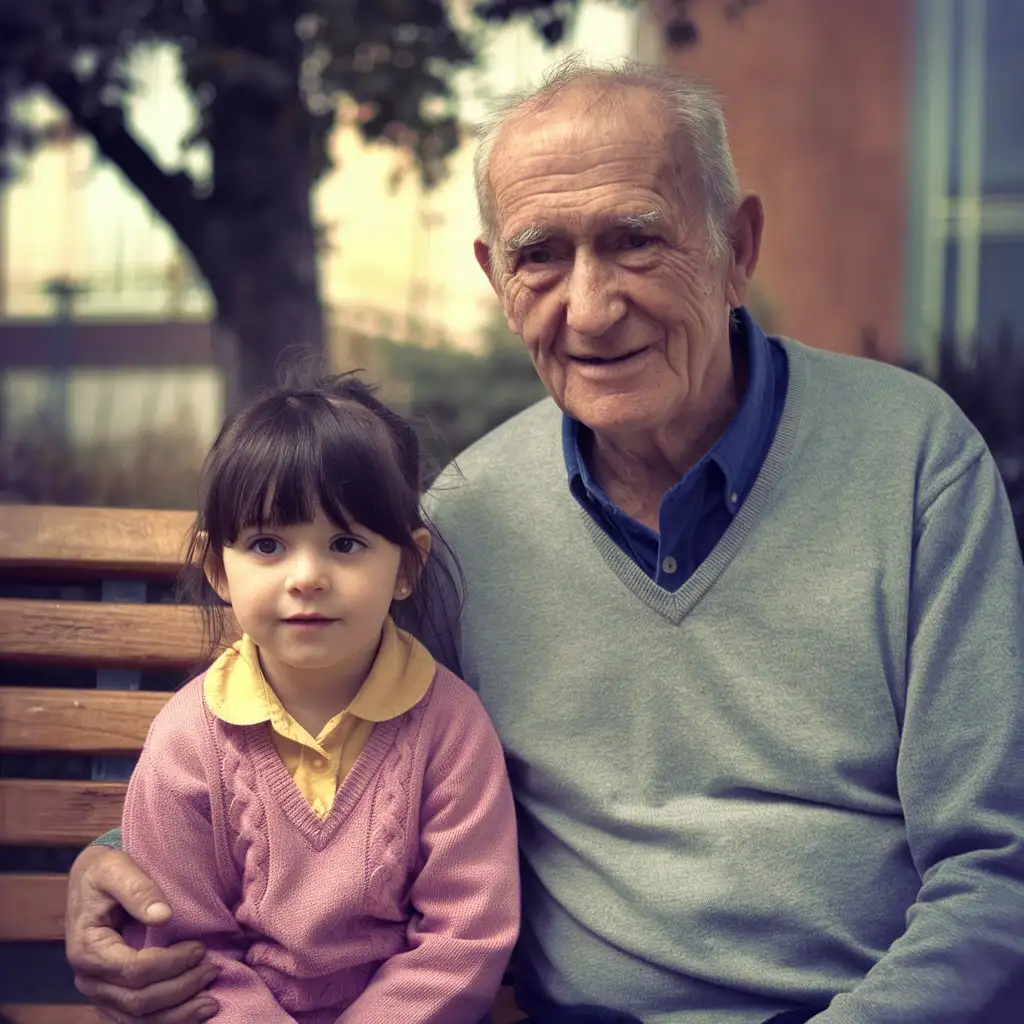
point(522, 454)
point(510, 445)
point(883, 416)
point(877, 395)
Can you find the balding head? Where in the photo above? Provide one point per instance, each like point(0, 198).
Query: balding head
point(696, 146)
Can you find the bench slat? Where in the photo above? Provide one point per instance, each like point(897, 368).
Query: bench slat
point(84, 721)
point(98, 541)
point(22, 1013)
point(33, 907)
point(48, 812)
point(100, 633)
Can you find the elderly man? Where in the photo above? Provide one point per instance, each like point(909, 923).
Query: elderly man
point(746, 615)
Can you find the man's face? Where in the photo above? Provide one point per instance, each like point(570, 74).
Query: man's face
point(609, 281)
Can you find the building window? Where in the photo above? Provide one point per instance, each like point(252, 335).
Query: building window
point(966, 260)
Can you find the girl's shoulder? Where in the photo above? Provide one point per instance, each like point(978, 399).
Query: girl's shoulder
point(183, 722)
point(451, 703)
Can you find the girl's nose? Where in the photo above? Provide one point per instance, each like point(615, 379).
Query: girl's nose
point(306, 573)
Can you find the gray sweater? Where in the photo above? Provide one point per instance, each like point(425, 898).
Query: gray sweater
point(800, 775)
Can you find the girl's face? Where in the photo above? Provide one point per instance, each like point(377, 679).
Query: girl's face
point(313, 597)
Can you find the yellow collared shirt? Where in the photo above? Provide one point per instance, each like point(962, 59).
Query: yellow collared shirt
point(237, 692)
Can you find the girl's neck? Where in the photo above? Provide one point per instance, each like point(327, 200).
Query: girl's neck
point(314, 696)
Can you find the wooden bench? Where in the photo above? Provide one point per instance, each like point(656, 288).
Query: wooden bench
point(86, 580)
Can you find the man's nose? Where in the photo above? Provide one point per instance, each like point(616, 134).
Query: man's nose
point(306, 572)
point(594, 303)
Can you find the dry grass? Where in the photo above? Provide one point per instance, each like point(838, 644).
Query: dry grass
point(153, 469)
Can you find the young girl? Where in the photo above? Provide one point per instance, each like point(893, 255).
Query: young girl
point(325, 807)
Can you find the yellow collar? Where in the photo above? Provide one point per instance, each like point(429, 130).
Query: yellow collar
point(237, 692)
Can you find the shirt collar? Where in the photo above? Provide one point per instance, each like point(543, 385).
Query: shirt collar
point(237, 692)
point(736, 452)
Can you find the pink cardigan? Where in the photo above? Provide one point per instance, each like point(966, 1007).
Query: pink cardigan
point(401, 907)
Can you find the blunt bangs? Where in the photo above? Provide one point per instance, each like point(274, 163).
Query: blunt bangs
point(290, 455)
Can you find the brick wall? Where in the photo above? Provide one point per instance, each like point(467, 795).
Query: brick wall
point(816, 93)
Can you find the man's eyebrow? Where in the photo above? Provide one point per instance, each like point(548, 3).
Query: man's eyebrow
point(534, 235)
point(527, 237)
point(637, 221)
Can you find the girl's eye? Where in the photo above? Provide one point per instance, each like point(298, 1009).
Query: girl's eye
point(347, 545)
point(265, 546)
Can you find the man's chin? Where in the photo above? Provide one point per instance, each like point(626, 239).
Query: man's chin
point(625, 412)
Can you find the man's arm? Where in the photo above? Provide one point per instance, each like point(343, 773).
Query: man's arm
point(110, 840)
point(961, 768)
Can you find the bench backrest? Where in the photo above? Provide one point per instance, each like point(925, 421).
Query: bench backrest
point(84, 576)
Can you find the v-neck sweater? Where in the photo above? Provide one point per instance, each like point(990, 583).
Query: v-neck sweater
point(238, 693)
point(799, 778)
point(402, 904)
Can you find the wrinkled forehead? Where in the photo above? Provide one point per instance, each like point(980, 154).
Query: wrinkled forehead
point(583, 159)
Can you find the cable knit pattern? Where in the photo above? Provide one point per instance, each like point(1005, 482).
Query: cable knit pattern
point(249, 850)
point(402, 905)
point(390, 818)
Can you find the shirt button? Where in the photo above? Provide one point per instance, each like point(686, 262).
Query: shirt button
point(669, 565)
point(317, 762)
point(734, 497)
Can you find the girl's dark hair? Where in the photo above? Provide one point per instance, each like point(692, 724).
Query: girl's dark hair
point(332, 445)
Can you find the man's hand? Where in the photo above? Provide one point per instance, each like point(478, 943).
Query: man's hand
point(162, 986)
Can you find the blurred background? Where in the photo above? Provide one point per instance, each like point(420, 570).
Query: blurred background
point(195, 191)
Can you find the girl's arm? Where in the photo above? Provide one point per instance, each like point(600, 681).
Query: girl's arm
point(465, 898)
point(169, 831)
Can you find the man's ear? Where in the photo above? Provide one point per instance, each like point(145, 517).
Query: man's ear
point(483, 257)
point(409, 572)
point(745, 236)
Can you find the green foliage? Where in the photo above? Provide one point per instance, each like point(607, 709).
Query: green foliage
point(456, 396)
point(294, 58)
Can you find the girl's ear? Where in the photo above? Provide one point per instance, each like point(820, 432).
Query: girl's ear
point(409, 571)
point(214, 572)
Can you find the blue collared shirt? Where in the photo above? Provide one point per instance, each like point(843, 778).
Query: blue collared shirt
point(695, 513)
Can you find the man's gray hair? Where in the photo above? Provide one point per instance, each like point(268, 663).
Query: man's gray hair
point(696, 113)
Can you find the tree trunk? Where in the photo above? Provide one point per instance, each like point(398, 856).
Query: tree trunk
point(268, 306)
point(260, 258)
point(259, 246)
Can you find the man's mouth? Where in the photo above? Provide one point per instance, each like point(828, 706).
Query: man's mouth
point(608, 360)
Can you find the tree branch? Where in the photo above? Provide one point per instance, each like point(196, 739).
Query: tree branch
point(171, 195)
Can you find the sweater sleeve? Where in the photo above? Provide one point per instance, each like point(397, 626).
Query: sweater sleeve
point(465, 896)
point(960, 771)
point(169, 828)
